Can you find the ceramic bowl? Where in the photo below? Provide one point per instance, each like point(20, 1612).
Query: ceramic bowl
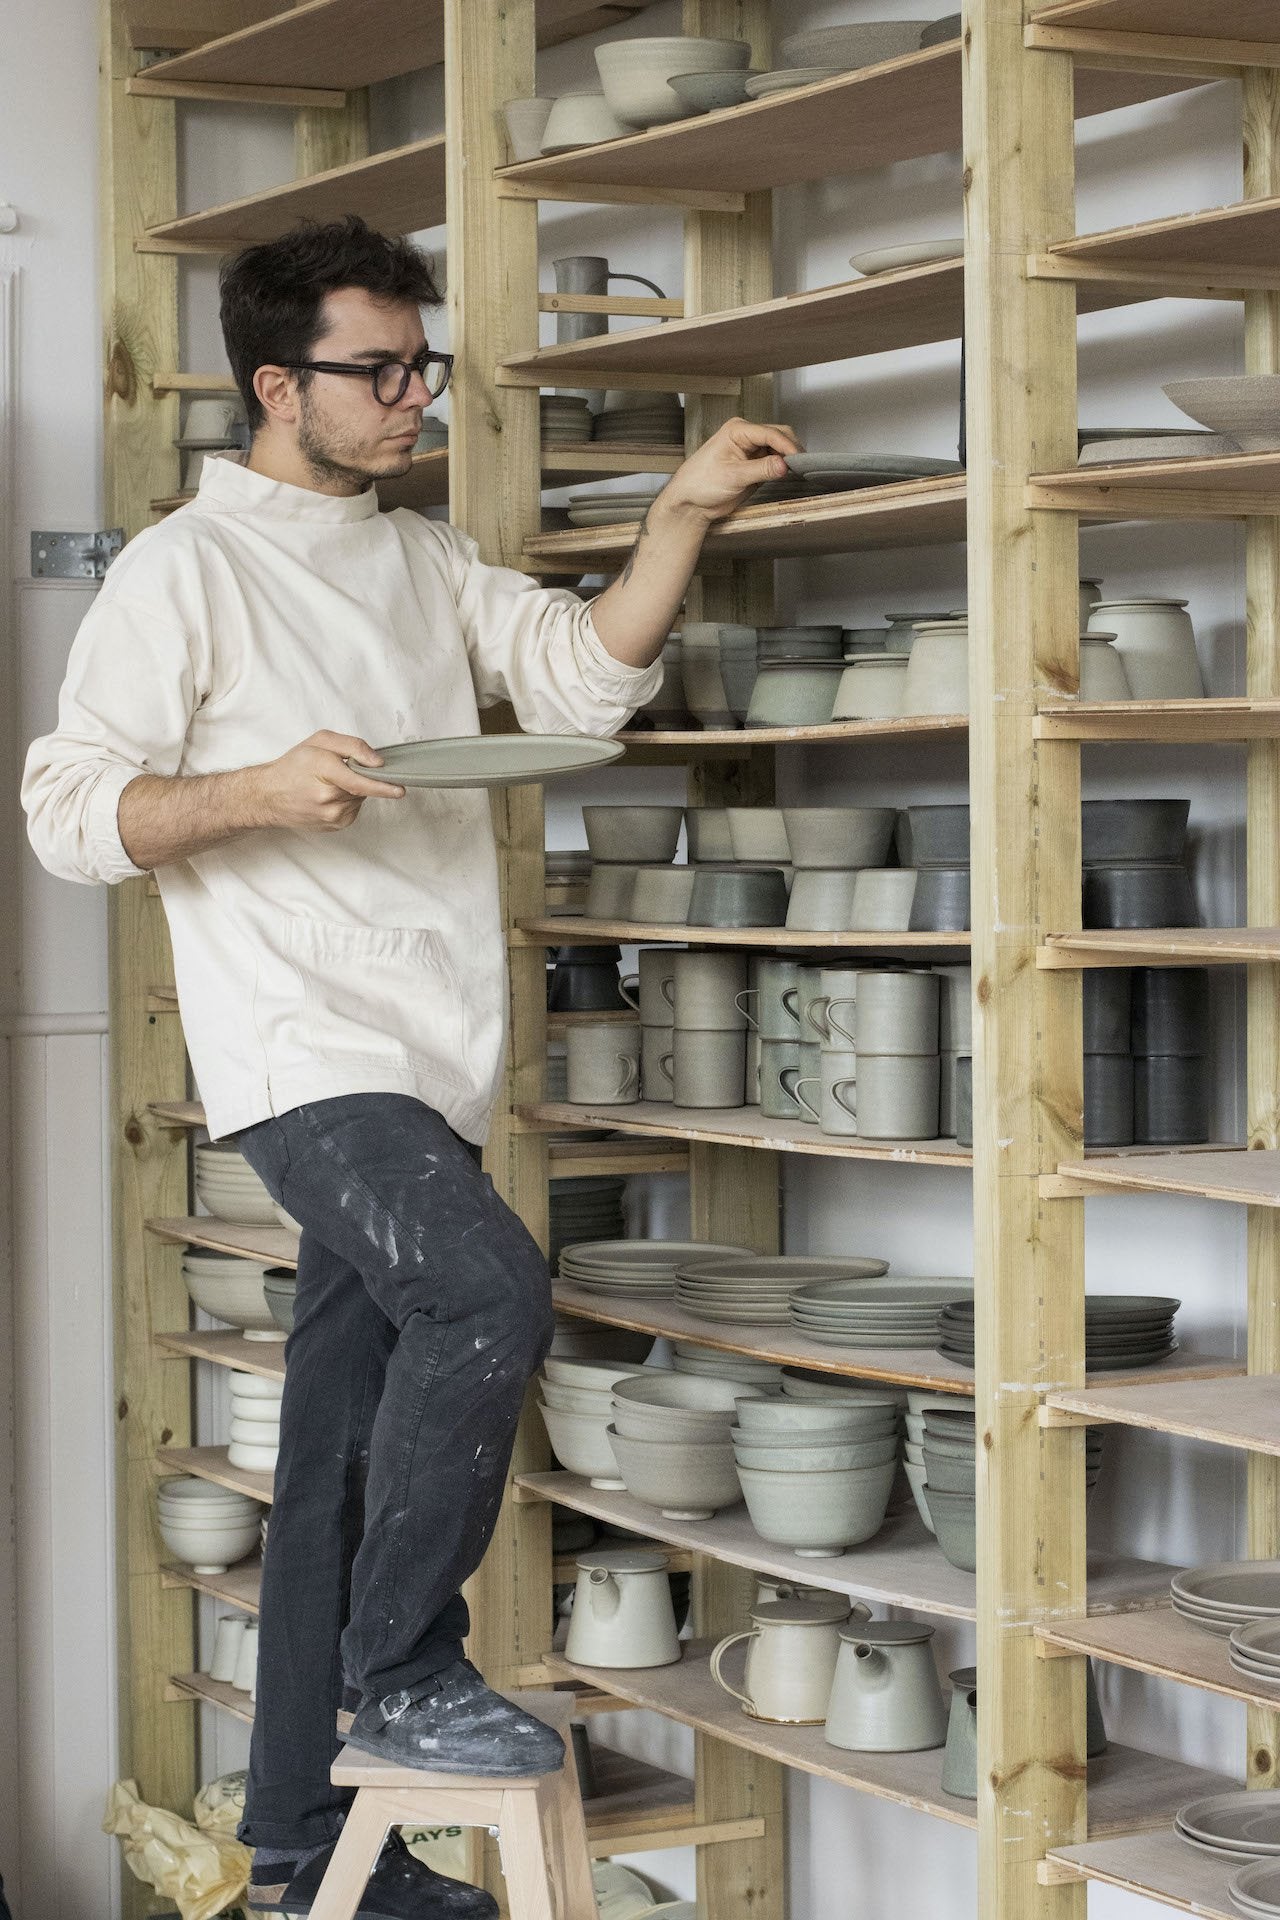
point(263, 1413)
point(258, 1459)
point(705, 92)
point(526, 122)
point(1154, 896)
point(743, 899)
point(210, 1549)
point(633, 834)
point(769, 1417)
point(576, 1400)
point(635, 74)
point(758, 834)
point(255, 1433)
point(940, 903)
point(859, 44)
point(814, 1454)
point(955, 1523)
point(939, 836)
point(255, 1386)
point(1114, 832)
point(1170, 1009)
point(690, 1392)
point(946, 1475)
point(871, 689)
point(1244, 405)
point(580, 120)
point(229, 1289)
point(839, 836)
point(280, 1287)
point(794, 693)
point(919, 1491)
point(580, 1443)
point(685, 1480)
point(818, 1514)
point(707, 833)
point(596, 1374)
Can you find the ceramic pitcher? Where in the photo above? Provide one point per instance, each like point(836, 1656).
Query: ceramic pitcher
point(622, 1612)
point(792, 1646)
point(885, 1697)
point(588, 273)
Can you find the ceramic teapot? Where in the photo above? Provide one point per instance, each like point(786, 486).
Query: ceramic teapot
point(792, 1647)
point(885, 1697)
point(622, 1612)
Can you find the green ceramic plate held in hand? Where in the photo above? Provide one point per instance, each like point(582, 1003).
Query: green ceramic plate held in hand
point(489, 759)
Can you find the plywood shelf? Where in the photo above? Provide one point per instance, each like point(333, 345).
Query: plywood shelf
point(1172, 722)
point(355, 43)
point(1162, 947)
point(240, 1586)
point(1247, 1178)
point(902, 1567)
point(1161, 1643)
point(1183, 19)
point(551, 931)
point(1227, 486)
point(908, 514)
point(398, 191)
point(896, 110)
point(276, 1245)
point(1243, 1412)
point(263, 1357)
point(211, 1463)
point(1228, 245)
point(742, 1127)
point(1128, 1790)
point(212, 1693)
point(1156, 1866)
point(909, 727)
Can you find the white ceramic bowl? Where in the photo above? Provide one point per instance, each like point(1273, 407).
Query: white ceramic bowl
point(580, 1443)
point(818, 1513)
point(635, 73)
point(210, 1549)
point(851, 44)
point(580, 120)
point(574, 1371)
point(255, 1386)
point(285, 1218)
point(684, 1480)
point(260, 1459)
point(264, 1413)
point(232, 1292)
point(577, 1400)
point(256, 1433)
point(1246, 406)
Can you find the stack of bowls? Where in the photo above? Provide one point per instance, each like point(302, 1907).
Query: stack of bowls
point(689, 1357)
point(255, 1422)
point(937, 677)
point(640, 419)
point(228, 1186)
point(231, 1290)
point(1170, 1068)
point(565, 419)
point(670, 1438)
point(636, 74)
point(1123, 1333)
point(812, 1489)
point(1134, 858)
point(621, 840)
point(830, 846)
point(756, 1290)
point(939, 848)
point(280, 1285)
point(875, 1312)
point(718, 663)
point(1227, 1594)
point(638, 1268)
point(949, 1458)
point(919, 1403)
point(205, 1526)
point(576, 1404)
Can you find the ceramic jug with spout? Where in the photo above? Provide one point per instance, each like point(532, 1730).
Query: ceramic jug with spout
point(622, 1612)
point(885, 1697)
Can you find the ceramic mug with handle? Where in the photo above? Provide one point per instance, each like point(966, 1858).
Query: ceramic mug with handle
point(894, 1096)
point(792, 1649)
point(604, 1063)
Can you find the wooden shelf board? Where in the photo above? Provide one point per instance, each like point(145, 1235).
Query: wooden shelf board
point(210, 1463)
point(921, 726)
point(1240, 1412)
point(1230, 20)
point(240, 1586)
point(628, 932)
point(634, 1797)
point(911, 513)
point(355, 43)
point(743, 1127)
point(179, 1113)
point(1189, 722)
point(896, 110)
point(213, 1693)
point(902, 1567)
point(1162, 947)
point(1160, 1642)
point(900, 1366)
point(265, 1358)
point(1128, 1789)
point(1157, 1866)
point(274, 1244)
point(623, 1157)
point(1244, 234)
point(1227, 486)
point(1250, 1179)
point(398, 191)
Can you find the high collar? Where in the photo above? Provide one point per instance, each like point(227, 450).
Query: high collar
point(228, 486)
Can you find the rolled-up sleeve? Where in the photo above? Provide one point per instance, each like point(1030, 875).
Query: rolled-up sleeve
point(124, 709)
point(538, 647)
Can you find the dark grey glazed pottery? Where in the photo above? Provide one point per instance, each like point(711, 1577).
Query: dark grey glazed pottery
point(754, 898)
point(955, 1519)
point(1108, 994)
point(1108, 1100)
point(280, 1284)
point(940, 903)
point(1148, 896)
point(939, 837)
point(1171, 1010)
point(1115, 832)
point(585, 980)
point(1170, 1100)
point(964, 1100)
point(938, 31)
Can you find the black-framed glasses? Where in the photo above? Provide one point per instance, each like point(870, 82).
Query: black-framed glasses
point(390, 378)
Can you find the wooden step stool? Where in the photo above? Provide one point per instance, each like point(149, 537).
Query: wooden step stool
point(542, 1834)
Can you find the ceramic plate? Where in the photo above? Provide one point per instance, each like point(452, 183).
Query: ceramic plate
point(1259, 1643)
point(784, 78)
point(1255, 1889)
point(1247, 1588)
point(889, 1293)
point(832, 472)
point(1243, 1822)
point(915, 253)
point(489, 759)
point(1173, 446)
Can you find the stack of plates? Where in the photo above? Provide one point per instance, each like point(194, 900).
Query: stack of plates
point(597, 509)
point(782, 79)
point(228, 1186)
point(1255, 1652)
point(1255, 1889)
point(585, 1209)
point(757, 1291)
point(637, 1267)
point(688, 1357)
point(1234, 1826)
point(641, 420)
point(844, 472)
point(1122, 1331)
point(1227, 1595)
point(875, 1313)
point(565, 419)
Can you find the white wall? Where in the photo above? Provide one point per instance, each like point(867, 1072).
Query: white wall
point(849, 1855)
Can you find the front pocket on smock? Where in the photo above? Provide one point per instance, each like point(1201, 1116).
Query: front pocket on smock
point(379, 995)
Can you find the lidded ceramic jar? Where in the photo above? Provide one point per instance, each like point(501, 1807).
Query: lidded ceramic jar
point(622, 1611)
point(937, 679)
point(885, 1697)
point(1157, 643)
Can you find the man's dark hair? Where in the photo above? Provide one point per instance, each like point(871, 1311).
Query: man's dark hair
point(272, 294)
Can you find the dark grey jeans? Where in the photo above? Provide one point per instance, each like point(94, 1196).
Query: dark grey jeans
point(423, 1308)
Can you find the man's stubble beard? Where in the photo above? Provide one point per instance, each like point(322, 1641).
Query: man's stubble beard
point(332, 456)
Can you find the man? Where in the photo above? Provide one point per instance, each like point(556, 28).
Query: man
point(339, 962)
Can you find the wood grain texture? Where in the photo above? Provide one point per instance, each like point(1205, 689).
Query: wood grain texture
point(1161, 1643)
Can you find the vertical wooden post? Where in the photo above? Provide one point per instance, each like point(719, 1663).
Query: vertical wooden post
point(1262, 355)
point(494, 494)
point(325, 137)
point(153, 1403)
point(1028, 1254)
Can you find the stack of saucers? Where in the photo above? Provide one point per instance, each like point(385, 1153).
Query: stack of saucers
point(641, 1268)
point(1123, 1332)
point(228, 1186)
point(600, 509)
point(641, 419)
point(255, 1422)
point(877, 1312)
point(756, 1290)
point(670, 1437)
point(1228, 1594)
point(1255, 1652)
point(565, 419)
point(689, 1357)
point(576, 1405)
point(1234, 1827)
point(1254, 1889)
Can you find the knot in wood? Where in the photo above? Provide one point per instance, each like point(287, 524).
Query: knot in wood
point(984, 988)
point(1263, 1763)
point(166, 1435)
point(122, 1408)
point(122, 375)
point(134, 1133)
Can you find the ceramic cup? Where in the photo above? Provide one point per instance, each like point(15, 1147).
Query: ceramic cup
point(871, 688)
point(656, 1082)
point(811, 999)
point(802, 1084)
point(226, 1646)
point(604, 1063)
point(896, 1096)
point(794, 693)
point(746, 898)
point(822, 899)
point(246, 1673)
point(937, 677)
point(955, 1008)
point(1108, 1100)
point(940, 903)
point(896, 1013)
point(779, 1058)
point(753, 1068)
point(708, 1069)
point(777, 1003)
point(840, 991)
point(792, 1646)
point(834, 1087)
point(1170, 1009)
point(526, 123)
point(1170, 1100)
point(661, 896)
point(633, 834)
point(708, 991)
point(611, 890)
point(1107, 1011)
point(656, 999)
point(882, 899)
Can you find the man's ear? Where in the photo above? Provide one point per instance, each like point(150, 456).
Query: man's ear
point(277, 391)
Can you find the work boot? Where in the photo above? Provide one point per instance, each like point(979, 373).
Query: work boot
point(453, 1723)
point(401, 1887)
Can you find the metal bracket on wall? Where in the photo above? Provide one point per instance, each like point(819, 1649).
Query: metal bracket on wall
point(74, 556)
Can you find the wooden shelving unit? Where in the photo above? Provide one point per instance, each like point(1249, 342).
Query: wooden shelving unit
point(551, 932)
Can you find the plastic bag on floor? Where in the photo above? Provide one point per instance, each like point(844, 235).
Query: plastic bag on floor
point(219, 1805)
point(203, 1873)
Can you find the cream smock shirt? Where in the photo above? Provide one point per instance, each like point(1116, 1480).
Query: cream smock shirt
point(314, 964)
